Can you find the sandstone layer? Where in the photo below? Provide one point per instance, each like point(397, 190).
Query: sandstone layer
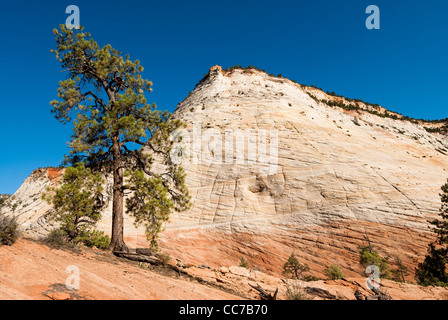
point(32, 271)
point(336, 179)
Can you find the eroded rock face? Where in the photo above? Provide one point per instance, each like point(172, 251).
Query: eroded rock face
point(27, 204)
point(336, 179)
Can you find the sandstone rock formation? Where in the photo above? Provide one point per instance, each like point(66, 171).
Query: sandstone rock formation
point(331, 179)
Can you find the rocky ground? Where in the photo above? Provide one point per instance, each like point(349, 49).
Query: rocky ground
point(32, 270)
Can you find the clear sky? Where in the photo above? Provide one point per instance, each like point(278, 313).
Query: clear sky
point(403, 66)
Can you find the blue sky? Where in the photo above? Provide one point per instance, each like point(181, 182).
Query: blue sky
point(403, 66)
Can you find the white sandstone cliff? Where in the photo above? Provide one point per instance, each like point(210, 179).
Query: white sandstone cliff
point(341, 177)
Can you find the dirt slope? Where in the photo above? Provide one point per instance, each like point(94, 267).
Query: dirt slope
point(29, 270)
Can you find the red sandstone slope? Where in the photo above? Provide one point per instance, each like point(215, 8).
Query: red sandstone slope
point(29, 269)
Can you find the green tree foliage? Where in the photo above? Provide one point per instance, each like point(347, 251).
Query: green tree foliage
point(77, 205)
point(293, 268)
point(432, 271)
point(368, 256)
point(334, 272)
point(152, 202)
point(9, 230)
point(116, 131)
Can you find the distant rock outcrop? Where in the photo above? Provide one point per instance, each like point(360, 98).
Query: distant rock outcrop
point(323, 180)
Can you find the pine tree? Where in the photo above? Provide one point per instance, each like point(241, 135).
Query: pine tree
point(77, 204)
point(401, 271)
point(432, 271)
point(294, 268)
point(116, 131)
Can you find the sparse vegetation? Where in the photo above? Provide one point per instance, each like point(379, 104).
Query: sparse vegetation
point(3, 199)
point(443, 129)
point(310, 278)
point(164, 258)
point(386, 114)
point(312, 96)
point(57, 238)
point(353, 103)
point(9, 230)
point(294, 291)
point(144, 265)
point(244, 263)
point(400, 272)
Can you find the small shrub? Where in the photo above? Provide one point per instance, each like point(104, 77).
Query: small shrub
point(308, 278)
point(94, 238)
point(334, 272)
point(57, 238)
point(244, 263)
point(164, 258)
point(368, 256)
point(9, 230)
point(295, 291)
point(3, 199)
point(144, 265)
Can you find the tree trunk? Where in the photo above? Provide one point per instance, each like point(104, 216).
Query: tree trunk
point(117, 243)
